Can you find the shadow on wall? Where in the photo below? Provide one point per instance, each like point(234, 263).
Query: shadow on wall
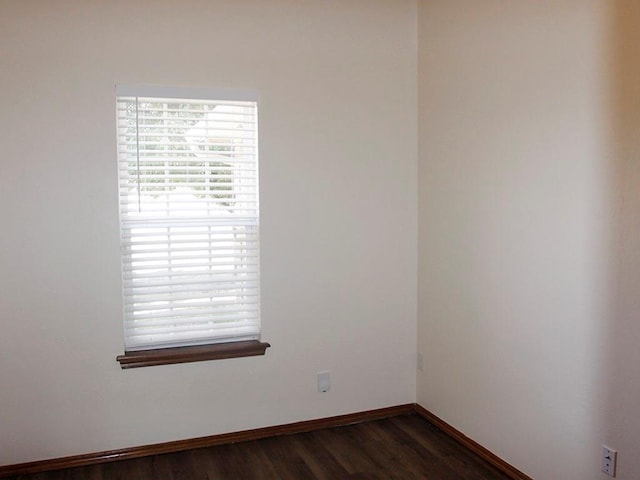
point(622, 361)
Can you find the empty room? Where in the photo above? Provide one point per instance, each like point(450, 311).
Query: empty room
point(379, 223)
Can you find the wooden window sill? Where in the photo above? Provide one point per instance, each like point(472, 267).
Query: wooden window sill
point(198, 353)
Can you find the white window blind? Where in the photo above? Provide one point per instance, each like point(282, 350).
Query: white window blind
point(189, 222)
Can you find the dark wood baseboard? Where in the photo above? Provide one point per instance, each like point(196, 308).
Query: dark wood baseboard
point(258, 433)
point(201, 442)
point(472, 445)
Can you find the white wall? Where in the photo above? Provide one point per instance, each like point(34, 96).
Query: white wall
point(338, 148)
point(529, 254)
point(622, 359)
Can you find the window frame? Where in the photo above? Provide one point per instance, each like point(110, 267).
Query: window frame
point(192, 350)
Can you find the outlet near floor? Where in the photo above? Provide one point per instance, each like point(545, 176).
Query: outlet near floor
point(324, 381)
point(609, 456)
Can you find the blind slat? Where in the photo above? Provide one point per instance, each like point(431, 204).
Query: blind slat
point(191, 313)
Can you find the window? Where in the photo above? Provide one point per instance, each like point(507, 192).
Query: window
point(189, 224)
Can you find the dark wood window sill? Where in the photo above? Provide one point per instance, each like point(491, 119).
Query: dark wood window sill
point(198, 353)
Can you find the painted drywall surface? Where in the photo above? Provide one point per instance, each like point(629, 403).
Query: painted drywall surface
point(337, 83)
point(528, 208)
point(622, 360)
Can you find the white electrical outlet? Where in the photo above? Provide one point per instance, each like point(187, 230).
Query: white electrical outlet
point(609, 460)
point(420, 362)
point(324, 381)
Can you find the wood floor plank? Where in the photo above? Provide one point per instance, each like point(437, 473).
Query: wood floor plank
point(318, 458)
point(288, 464)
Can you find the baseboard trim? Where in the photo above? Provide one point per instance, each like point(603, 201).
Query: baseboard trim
point(201, 442)
point(472, 445)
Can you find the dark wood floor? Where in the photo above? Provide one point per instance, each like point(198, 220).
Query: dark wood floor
point(403, 447)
